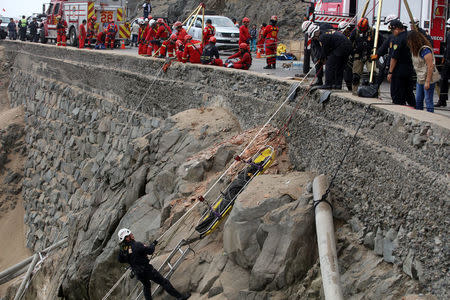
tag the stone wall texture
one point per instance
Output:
(82, 121)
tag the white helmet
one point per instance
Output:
(305, 26)
(123, 233)
(312, 30)
(146, 20)
(448, 22)
(342, 26)
(389, 19)
(152, 21)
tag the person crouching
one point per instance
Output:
(210, 55)
(245, 58)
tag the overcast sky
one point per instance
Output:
(17, 8)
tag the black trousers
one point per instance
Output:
(334, 70)
(156, 277)
(402, 88)
(23, 33)
(443, 84)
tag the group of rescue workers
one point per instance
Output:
(156, 38)
(401, 57)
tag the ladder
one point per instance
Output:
(172, 262)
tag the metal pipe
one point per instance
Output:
(27, 277)
(194, 19)
(375, 44)
(193, 12)
(203, 22)
(326, 242)
(365, 9)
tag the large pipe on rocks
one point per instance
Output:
(326, 242)
(27, 277)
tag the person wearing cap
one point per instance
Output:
(245, 58)
(244, 33)
(401, 70)
(415, 25)
(210, 55)
(136, 254)
(445, 72)
(208, 32)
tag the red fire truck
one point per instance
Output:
(74, 12)
(432, 14)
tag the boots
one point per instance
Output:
(319, 82)
(185, 296)
(268, 67)
(441, 103)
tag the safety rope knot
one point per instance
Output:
(201, 198)
(323, 199)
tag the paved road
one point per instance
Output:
(258, 65)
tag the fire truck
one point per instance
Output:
(432, 14)
(74, 12)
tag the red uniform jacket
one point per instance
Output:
(244, 35)
(151, 34)
(245, 59)
(192, 52)
(101, 37)
(271, 33)
(163, 32)
(141, 36)
(82, 31)
(261, 36)
(181, 34)
(208, 32)
(112, 30)
(61, 27)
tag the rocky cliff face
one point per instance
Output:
(290, 13)
(104, 153)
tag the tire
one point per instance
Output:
(73, 37)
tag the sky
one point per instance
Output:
(17, 8)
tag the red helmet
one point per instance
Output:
(94, 18)
(212, 39)
(179, 43)
(363, 24)
(274, 18)
(177, 24)
(160, 21)
(243, 46)
(246, 20)
(173, 37)
(187, 38)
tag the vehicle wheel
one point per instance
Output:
(73, 37)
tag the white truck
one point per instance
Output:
(74, 12)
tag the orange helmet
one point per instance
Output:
(246, 20)
(177, 24)
(363, 24)
(179, 43)
(274, 18)
(187, 38)
(160, 21)
(243, 46)
(212, 39)
(173, 37)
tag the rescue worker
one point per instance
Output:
(445, 73)
(3, 33)
(210, 55)
(91, 29)
(111, 34)
(244, 33)
(420, 29)
(147, 7)
(150, 38)
(180, 31)
(245, 58)
(192, 50)
(61, 31)
(271, 39)
(82, 37)
(168, 47)
(346, 29)
(401, 70)
(162, 34)
(179, 50)
(23, 28)
(34, 30)
(362, 39)
(136, 255)
(141, 37)
(208, 32)
(12, 29)
(261, 41)
(101, 37)
(335, 50)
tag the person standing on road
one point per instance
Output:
(147, 7)
(33, 30)
(12, 29)
(91, 30)
(401, 70)
(244, 34)
(208, 32)
(253, 37)
(136, 254)
(23, 28)
(445, 73)
(425, 67)
(261, 41)
(82, 37)
(245, 58)
(61, 31)
(271, 40)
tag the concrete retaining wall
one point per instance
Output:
(393, 187)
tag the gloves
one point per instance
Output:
(155, 242)
(374, 57)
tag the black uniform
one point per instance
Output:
(135, 254)
(33, 31)
(445, 74)
(209, 53)
(402, 83)
(316, 53)
(384, 51)
(336, 48)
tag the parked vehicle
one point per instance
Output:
(74, 12)
(227, 34)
